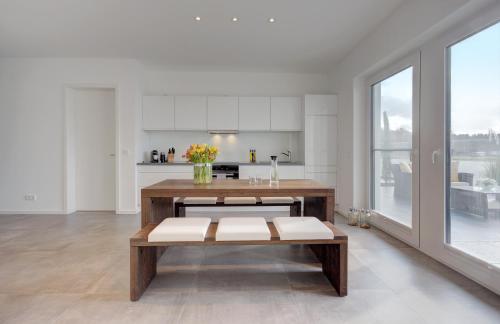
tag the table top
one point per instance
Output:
(230, 187)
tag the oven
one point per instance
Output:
(226, 171)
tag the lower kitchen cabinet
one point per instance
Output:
(284, 171)
(150, 174)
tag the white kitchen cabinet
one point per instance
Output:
(157, 112)
(326, 178)
(150, 174)
(190, 112)
(320, 138)
(254, 113)
(284, 171)
(286, 113)
(222, 113)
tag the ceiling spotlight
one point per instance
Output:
(235, 19)
(271, 20)
(197, 18)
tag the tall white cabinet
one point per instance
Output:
(320, 138)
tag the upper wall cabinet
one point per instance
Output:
(254, 113)
(222, 113)
(320, 104)
(190, 112)
(158, 112)
(286, 113)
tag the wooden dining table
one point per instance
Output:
(157, 201)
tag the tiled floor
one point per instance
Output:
(74, 269)
(475, 235)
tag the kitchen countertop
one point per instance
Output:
(216, 163)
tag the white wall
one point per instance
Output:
(157, 81)
(32, 145)
(32, 128)
(428, 27)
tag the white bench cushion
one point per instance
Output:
(302, 228)
(240, 200)
(180, 229)
(242, 229)
(277, 200)
(200, 200)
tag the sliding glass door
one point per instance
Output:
(394, 149)
(473, 146)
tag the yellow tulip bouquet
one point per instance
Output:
(202, 155)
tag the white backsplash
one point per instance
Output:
(233, 147)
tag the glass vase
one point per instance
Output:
(202, 173)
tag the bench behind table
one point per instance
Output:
(180, 206)
(143, 255)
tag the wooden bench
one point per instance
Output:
(180, 206)
(143, 255)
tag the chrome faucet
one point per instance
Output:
(288, 154)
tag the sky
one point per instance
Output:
(475, 87)
(475, 83)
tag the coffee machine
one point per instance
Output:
(155, 158)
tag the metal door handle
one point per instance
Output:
(435, 155)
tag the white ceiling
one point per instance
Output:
(308, 36)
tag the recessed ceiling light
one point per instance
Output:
(197, 18)
(271, 20)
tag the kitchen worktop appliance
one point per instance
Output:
(226, 171)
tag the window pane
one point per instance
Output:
(392, 182)
(392, 111)
(474, 147)
(392, 101)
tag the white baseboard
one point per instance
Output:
(128, 211)
(33, 212)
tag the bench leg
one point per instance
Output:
(142, 269)
(296, 209)
(333, 258)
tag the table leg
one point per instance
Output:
(296, 208)
(180, 211)
(321, 207)
(142, 269)
(156, 209)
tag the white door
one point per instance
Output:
(94, 111)
(394, 95)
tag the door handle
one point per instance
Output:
(435, 155)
